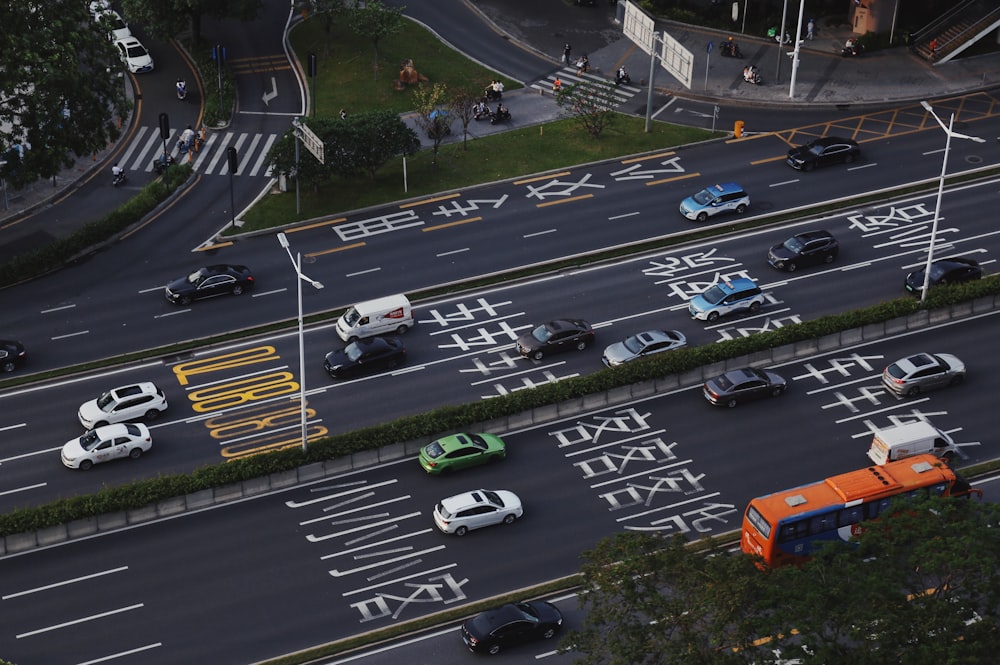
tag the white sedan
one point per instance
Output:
(107, 443)
(134, 55)
(116, 25)
(123, 404)
(461, 513)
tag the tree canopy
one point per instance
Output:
(61, 91)
(921, 586)
(164, 19)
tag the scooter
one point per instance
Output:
(499, 117)
(731, 50)
(181, 90)
(773, 34)
(626, 79)
(119, 178)
(856, 48)
(161, 163)
(752, 76)
(482, 114)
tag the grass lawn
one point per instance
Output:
(347, 79)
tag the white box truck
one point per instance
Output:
(902, 441)
(382, 316)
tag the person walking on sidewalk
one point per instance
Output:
(810, 27)
(566, 54)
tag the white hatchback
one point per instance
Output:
(123, 404)
(107, 443)
(473, 510)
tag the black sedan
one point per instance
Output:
(363, 356)
(945, 271)
(511, 624)
(804, 249)
(12, 355)
(209, 281)
(743, 384)
(823, 152)
(554, 336)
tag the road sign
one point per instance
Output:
(309, 139)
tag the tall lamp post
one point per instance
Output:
(937, 207)
(299, 278)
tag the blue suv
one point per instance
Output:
(727, 197)
(726, 297)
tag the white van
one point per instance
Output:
(392, 314)
(902, 441)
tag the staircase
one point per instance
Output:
(956, 30)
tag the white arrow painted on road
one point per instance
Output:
(268, 96)
(697, 113)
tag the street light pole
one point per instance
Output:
(940, 193)
(299, 278)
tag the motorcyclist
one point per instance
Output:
(117, 174)
(622, 76)
(186, 139)
(181, 89)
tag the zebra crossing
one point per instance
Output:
(568, 76)
(251, 150)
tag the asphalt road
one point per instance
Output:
(318, 562)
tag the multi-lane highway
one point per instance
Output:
(322, 561)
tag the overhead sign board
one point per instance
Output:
(639, 26)
(309, 139)
(677, 60)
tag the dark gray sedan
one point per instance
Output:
(740, 385)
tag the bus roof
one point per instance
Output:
(873, 482)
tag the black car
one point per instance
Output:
(511, 624)
(12, 355)
(209, 281)
(945, 271)
(363, 356)
(743, 384)
(804, 249)
(554, 336)
(823, 152)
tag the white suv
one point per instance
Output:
(473, 510)
(123, 404)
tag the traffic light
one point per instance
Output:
(738, 129)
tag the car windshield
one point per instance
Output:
(541, 333)
(493, 498)
(632, 344)
(714, 295)
(704, 197)
(938, 270)
(353, 351)
(476, 441)
(89, 440)
(895, 371)
(351, 316)
(434, 450)
(135, 51)
(816, 148)
(196, 275)
(529, 612)
(724, 382)
(106, 400)
(793, 245)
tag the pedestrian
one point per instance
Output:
(566, 54)
(810, 27)
(343, 114)
(933, 46)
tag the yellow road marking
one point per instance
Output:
(335, 249)
(426, 201)
(455, 223)
(674, 179)
(572, 198)
(542, 177)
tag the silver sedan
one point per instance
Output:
(910, 376)
(642, 345)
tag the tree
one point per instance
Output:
(325, 10)
(164, 19)
(433, 113)
(921, 587)
(61, 92)
(377, 137)
(375, 21)
(591, 103)
(463, 106)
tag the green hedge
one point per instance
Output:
(450, 418)
(65, 250)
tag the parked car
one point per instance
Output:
(823, 152)
(804, 249)
(115, 24)
(740, 385)
(945, 271)
(208, 282)
(461, 451)
(642, 345)
(510, 625)
(726, 297)
(12, 355)
(555, 336)
(107, 443)
(364, 356)
(464, 512)
(727, 197)
(134, 55)
(123, 404)
(914, 374)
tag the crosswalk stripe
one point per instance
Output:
(146, 146)
(271, 138)
(568, 76)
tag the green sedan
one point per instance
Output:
(460, 451)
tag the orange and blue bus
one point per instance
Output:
(786, 527)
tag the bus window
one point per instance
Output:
(822, 523)
(791, 531)
(849, 516)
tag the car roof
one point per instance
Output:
(915, 362)
(831, 140)
(814, 235)
(736, 284)
(741, 374)
(567, 324)
(725, 188)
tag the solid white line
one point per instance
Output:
(81, 620)
(69, 581)
(23, 489)
(362, 272)
(122, 653)
(9, 427)
(786, 182)
(454, 251)
(76, 334)
(539, 233)
(863, 166)
(57, 309)
(628, 214)
(173, 313)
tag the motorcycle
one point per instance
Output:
(751, 75)
(502, 116)
(119, 178)
(731, 50)
(852, 48)
(623, 78)
(181, 89)
(773, 34)
(482, 114)
(161, 163)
